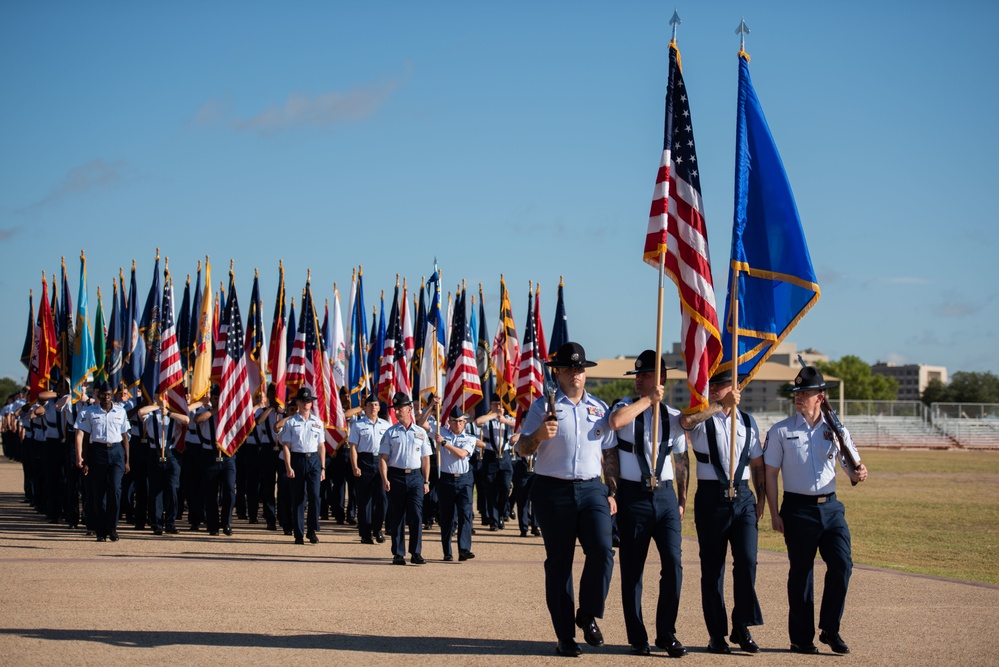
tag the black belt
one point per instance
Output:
(805, 499)
(456, 475)
(570, 481)
(106, 444)
(305, 454)
(366, 454)
(406, 471)
(640, 486)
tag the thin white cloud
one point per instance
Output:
(94, 175)
(303, 110)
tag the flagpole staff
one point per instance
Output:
(437, 376)
(742, 31)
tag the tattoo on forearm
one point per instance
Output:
(760, 481)
(612, 469)
(681, 464)
(528, 445)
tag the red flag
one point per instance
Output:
(677, 231)
(277, 353)
(46, 347)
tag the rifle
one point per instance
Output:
(839, 432)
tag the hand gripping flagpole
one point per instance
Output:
(742, 31)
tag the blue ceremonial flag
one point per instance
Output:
(375, 345)
(84, 361)
(114, 344)
(770, 265)
(135, 346)
(184, 327)
(150, 330)
(29, 336)
(357, 373)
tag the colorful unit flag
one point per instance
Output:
(83, 351)
(678, 237)
(201, 381)
(771, 269)
(256, 350)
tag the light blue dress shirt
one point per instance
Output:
(805, 455)
(576, 451)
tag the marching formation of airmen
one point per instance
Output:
(575, 471)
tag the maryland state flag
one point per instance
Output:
(771, 269)
(506, 353)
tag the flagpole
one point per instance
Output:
(742, 31)
(735, 380)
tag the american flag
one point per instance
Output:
(506, 353)
(219, 334)
(297, 359)
(461, 385)
(530, 376)
(256, 350)
(676, 229)
(235, 408)
(393, 335)
(277, 354)
(171, 374)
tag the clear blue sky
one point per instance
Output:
(519, 138)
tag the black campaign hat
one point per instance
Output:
(808, 379)
(401, 399)
(570, 355)
(305, 395)
(646, 363)
(722, 376)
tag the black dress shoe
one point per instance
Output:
(288, 531)
(213, 533)
(398, 560)
(493, 528)
(227, 530)
(465, 555)
(417, 559)
(740, 635)
(254, 520)
(640, 649)
(367, 540)
(351, 522)
(113, 536)
(536, 532)
(834, 641)
(157, 531)
(448, 558)
(568, 649)
(271, 526)
(299, 540)
(672, 646)
(101, 538)
(171, 530)
(718, 645)
(380, 537)
(313, 538)
(591, 631)
(523, 533)
(807, 649)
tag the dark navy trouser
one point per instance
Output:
(643, 516)
(405, 509)
(455, 497)
(810, 525)
(105, 468)
(370, 496)
(567, 510)
(164, 481)
(721, 523)
(523, 480)
(305, 488)
(218, 490)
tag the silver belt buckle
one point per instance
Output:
(822, 499)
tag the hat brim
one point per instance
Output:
(814, 387)
(667, 368)
(583, 364)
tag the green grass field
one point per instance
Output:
(931, 512)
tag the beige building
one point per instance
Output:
(912, 378)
